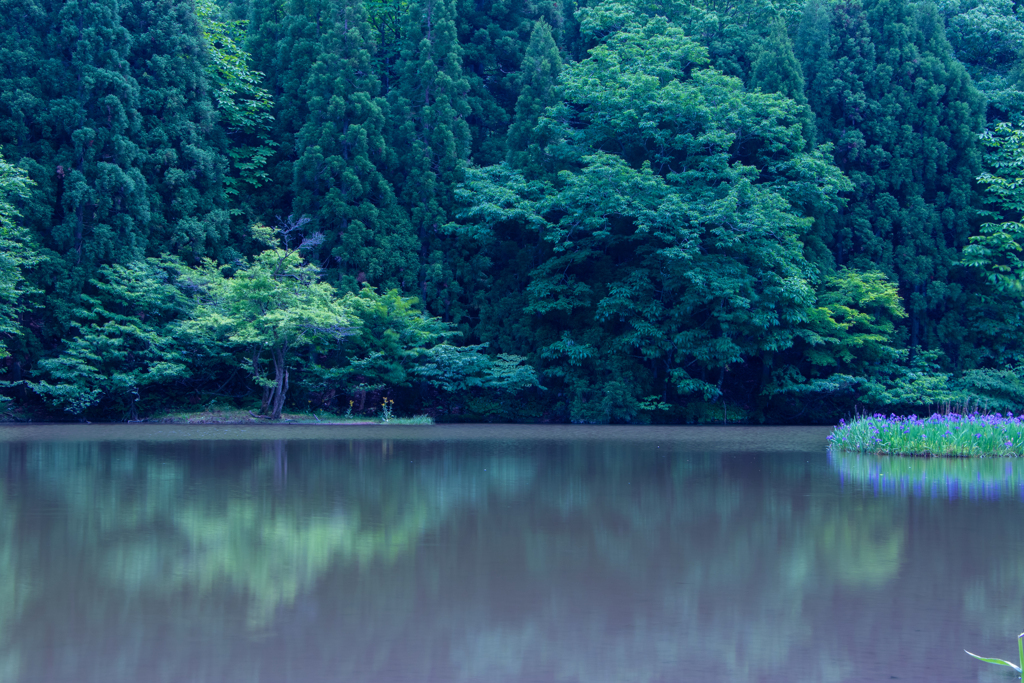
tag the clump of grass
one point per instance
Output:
(950, 434)
(414, 420)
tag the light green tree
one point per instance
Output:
(273, 306)
(997, 248)
(397, 345)
(127, 340)
(244, 104)
(15, 252)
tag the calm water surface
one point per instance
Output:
(497, 554)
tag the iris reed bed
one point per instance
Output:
(949, 435)
(970, 478)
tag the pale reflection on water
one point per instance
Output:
(493, 554)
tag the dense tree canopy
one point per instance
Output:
(586, 210)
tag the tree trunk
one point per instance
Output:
(282, 391)
(274, 396)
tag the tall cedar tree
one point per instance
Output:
(113, 129)
(492, 35)
(285, 42)
(499, 296)
(431, 140)
(538, 82)
(184, 171)
(70, 117)
(505, 255)
(904, 118)
(336, 180)
(776, 69)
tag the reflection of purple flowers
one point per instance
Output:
(951, 434)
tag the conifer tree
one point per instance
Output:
(285, 43)
(431, 140)
(904, 118)
(493, 36)
(538, 80)
(70, 117)
(183, 156)
(337, 181)
(776, 68)
(496, 296)
(108, 111)
(728, 30)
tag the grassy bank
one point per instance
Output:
(951, 435)
(236, 416)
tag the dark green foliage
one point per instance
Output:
(997, 248)
(392, 338)
(113, 129)
(16, 252)
(395, 346)
(987, 37)
(337, 181)
(493, 36)
(676, 211)
(538, 80)
(244, 106)
(431, 140)
(285, 42)
(387, 18)
(70, 109)
(904, 118)
(677, 256)
(776, 69)
(184, 173)
(732, 32)
(126, 342)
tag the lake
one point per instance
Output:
(222, 554)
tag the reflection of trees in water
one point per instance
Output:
(692, 568)
(15, 588)
(260, 528)
(862, 546)
(994, 601)
(943, 477)
(993, 595)
(473, 561)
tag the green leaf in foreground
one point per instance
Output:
(993, 660)
(1002, 662)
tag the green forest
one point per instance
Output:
(587, 211)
